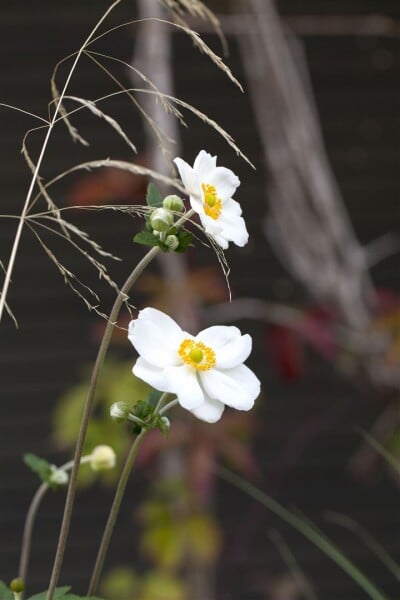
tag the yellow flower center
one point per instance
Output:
(212, 204)
(197, 355)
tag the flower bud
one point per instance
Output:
(172, 242)
(173, 203)
(161, 219)
(164, 424)
(119, 412)
(17, 585)
(58, 476)
(102, 458)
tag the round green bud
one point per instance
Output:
(164, 424)
(161, 219)
(172, 242)
(17, 585)
(102, 458)
(119, 412)
(173, 203)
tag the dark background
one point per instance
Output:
(356, 82)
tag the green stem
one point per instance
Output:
(30, 522)
(160, 403)
(69, 502)
(169, 405)
(112, 517)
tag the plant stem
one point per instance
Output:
(30, 521)
(169, 405)
(160, 403)
(69, 502)
(119, 493)
(28, 528)
(86, 415)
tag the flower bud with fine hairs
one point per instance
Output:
(102, 458)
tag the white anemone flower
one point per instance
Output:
(211, 189)
(206, 372)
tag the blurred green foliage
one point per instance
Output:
(116, 383)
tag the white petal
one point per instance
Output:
(183, 382)
(234, 353)
(156, 337)
(233, 229)
(237, 387)
(196, 202)
(188, 176)
(225, 182)
(245, 377)
(203, 164)
(232, 207)
(210, 411)
(221, 241)
(211, 226)
(218, 336)
(150, 374)
(162, 320)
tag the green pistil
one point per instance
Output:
(196, 355)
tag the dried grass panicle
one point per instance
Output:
(53, 219)
(195, 8)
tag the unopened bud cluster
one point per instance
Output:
(162, 219)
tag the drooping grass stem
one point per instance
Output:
(35, 175)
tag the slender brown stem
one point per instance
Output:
(30, 521)
(69, 502)
(28, 529)
(112, 517)
(86, 415)
(117, 502)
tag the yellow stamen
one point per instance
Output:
(212, 204)
(197, 355)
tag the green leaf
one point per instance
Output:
(153, 397)
(38, 465)
(146, 238)
(185, 240)
(62, 593)
(5, 592)
(153, 196)
(59, 594)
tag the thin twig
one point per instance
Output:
(69, 503)
(112, 517)
(30, 521)
(121, 298)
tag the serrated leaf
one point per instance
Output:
(38, 465)
(185, 240)
(5, 592)
(153, 196)
(146, 239)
